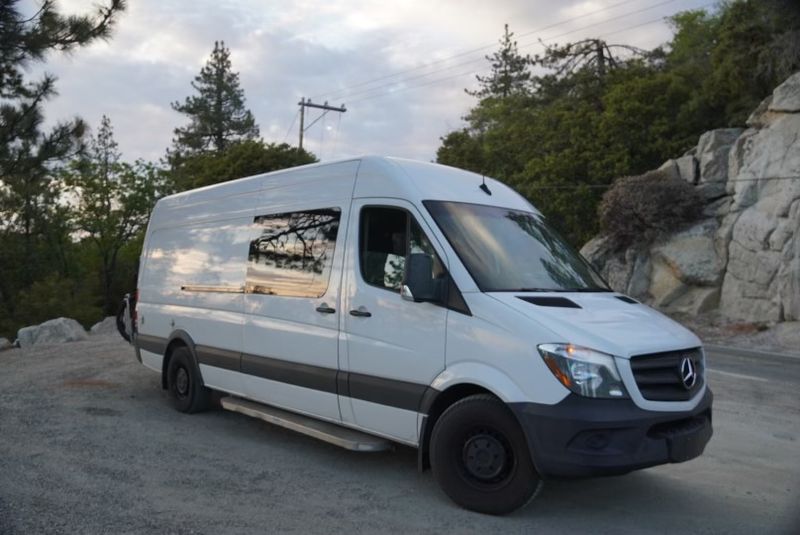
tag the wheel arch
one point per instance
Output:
(178, 339)
(455, 383)
(434, 403)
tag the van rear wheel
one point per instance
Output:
(185, 385)
(480, 458)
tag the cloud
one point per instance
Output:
(287, 50)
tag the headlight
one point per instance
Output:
(585, 371)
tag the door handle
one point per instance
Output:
(360, 312)
(325, 309)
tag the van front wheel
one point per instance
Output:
(480, 458)
(185, 386)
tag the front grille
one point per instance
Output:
(658, 375)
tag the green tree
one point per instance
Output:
(241, 159)
(113, 202)
(34, 235)
(217, 114)
(596, 111)
(510, 71)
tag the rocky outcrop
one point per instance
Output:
(743, 257)
(51, 332)
(107, 326)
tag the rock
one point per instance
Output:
(684, 168)
(670, 169)
(687, 168)
(743, 257)
(786, 97)
(772, 154)
(756, 119)
(107, 326)
(718, 208)
(596, 251)
(736, 156)
(5, 344)
(695, 301)
(690, 255)
(625, 271)
(665, 287)
(51, 332)
(712, 156)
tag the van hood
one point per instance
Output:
(604, 321)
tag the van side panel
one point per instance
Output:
(192, 276)
(497, 350)
(290, 348)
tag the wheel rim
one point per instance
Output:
(487, 458)
(182, 382)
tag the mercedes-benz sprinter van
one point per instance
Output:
(378, 300)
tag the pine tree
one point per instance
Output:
(113, 202)
(510, 74)
(217, 114)
(33, 223)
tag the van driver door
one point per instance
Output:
(394, 348)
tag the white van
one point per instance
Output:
(376, 300)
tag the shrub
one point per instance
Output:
(640, 209)
(53, 297)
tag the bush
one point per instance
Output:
(53, 297)
(640, 209)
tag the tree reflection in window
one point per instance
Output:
(294, 253)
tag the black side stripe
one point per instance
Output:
(154, 344)
(391, 392)
(219, 358)
(293, 373)
(400, 394)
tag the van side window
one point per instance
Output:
(293, 254)
(387, 236)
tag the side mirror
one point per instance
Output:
(418, 283)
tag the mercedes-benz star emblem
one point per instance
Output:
(688, 373)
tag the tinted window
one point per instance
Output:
(293, 254)
(512, 250)
(387, 236)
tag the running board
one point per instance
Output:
(343, 437)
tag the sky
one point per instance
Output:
(400, 67)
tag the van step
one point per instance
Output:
(349, 439)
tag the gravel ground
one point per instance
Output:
(712, 328)
(89, 444)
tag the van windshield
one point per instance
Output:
(510, 250)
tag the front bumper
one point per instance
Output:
(581, 437)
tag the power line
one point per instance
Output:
(523, 46)
(289, 130)
(471, 71)
(342, 94)
(606, 186)
(466, 52)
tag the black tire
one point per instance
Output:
(480, 458)
(185, 385)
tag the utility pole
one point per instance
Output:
(308, 104)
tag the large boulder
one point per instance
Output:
(691, 256)
(786, 97)
(713, 149)
(107, 326)
(743, 257)
(52, 332)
